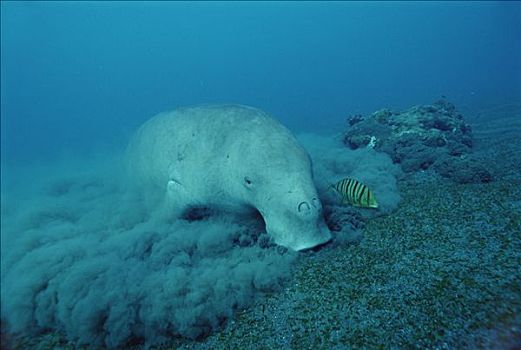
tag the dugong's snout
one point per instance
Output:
(315, 236)
(300, 227)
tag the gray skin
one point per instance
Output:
(234, 158)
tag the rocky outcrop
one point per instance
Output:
(423, 137)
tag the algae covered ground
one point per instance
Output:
(442, 272)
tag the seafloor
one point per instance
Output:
(441, 272)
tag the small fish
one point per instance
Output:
(355, 193)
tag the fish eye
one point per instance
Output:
(247, 181)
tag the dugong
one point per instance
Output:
(234, 158)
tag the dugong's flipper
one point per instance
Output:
(175, 203)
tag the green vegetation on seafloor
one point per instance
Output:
(442, 271)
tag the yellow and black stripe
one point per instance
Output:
(356, 193)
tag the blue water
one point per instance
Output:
(75, 76)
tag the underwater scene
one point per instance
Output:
(260, 175)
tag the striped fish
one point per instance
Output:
(356, 193)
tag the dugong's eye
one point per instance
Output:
(247, 182)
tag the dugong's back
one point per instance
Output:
(202, 132)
